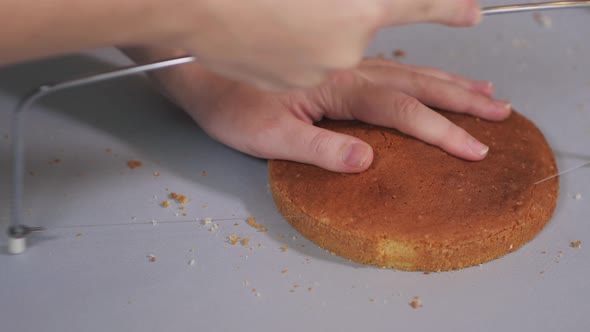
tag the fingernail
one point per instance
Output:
(503, 104)
(474, 15)
(356, 154)
(477, 147)
(485, 87)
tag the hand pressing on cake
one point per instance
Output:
(377, 91)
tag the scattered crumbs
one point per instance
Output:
(181, 207)
(133, 164)
(426, 272)
(207, 221)
(252, 222)
(309, 289)
(283, 248)
(176, 214)
(80, 234)
(245, 283)
(543, 252)
(578, 197)
(184, 214)
(179, 198)
(282, 236)
(191, 262)
(372, 300)
(576, 244)
(203, 173)
(285, 271)
(151, 258)
(416, 302)
(55, 161)
(560, 253)
(154, 222)
(543, 20)
(236, 224)
(245, 241)
(165, 204)
(296, 286)
(233, 239)
(541, 272)
(134, 218)
(294, 237)
(258, 294)
(259, 245)
(192, 250)
(156, 173)
(399, 53)
(253, 290)
(108, 150)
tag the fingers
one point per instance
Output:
(448, 12)
(394, 109)
(484, 87)
(440, 93)
(305, 143)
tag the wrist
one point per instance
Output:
(189, 86)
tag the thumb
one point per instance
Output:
(306, 143)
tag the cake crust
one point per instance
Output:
(419, 208)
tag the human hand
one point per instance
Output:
(279, 45)
(380, 92)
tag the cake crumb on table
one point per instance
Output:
(283, 248)
(203, 173)
(191, 262)
(133, 164)
(285, 271)
(233, 239)
(399, 53)
(78, 234)
(543, 20)
(165, 204)
(245, 241)
(151, 258)
(416, 302)
(252, 222)
(156, 173)
(576, 244)
(179, 198)
(578, 197)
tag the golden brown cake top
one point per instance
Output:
(414, 191)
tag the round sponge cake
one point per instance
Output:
(419, 208)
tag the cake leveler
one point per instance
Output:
(18, 232)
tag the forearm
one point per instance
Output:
(37, 29)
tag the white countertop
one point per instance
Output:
(100, 278)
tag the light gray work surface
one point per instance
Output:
(100, 279)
